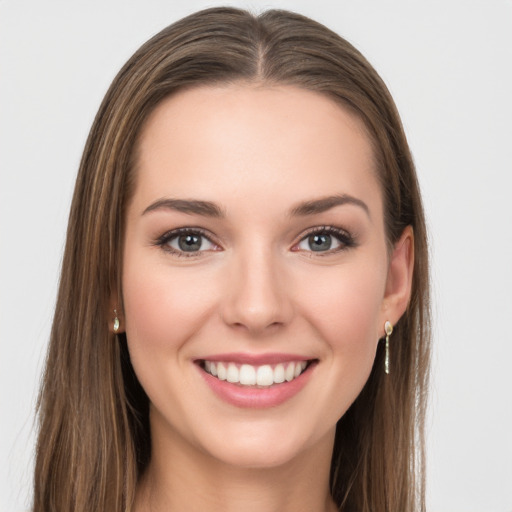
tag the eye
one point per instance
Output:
(186, 242)
(325, 239)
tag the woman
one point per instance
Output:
(246, 226)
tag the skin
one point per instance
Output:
(255, 287)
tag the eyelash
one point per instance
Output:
(346, 240)
(163, 241)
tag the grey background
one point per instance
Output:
(448, 66)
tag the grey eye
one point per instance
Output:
(190, 242)
(319, 242)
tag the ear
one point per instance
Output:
(399, 278)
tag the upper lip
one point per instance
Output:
(255, 359)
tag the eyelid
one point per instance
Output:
(346, 239)
(163, 241)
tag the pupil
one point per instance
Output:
(189, 242)
(320, 242)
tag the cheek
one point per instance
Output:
(163, 306)
(344, 307)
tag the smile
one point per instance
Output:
(255, 376)
(256, 380)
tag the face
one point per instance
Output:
(255, 270)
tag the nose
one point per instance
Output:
(257, 297)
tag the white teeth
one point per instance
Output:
(249, 375)
(279, 374)
(221, 371)
(232, 374)
(289, 372)
(265, 376)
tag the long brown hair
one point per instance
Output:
(94, 439)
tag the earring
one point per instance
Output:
(388, 327)
(116, 321)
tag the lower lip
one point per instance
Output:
(257, 398)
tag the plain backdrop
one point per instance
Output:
(448, 66)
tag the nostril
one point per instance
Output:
(256, 327)
(255, 299)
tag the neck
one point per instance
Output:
(182, 477)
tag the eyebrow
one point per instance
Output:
(210, 209)
(191, 206)
(326, 203)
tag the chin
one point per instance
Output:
(257, 447)
(257, 457)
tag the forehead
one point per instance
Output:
(270, 143)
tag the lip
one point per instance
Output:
(253, 397)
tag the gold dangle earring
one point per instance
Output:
(388, 327)
(116, 322)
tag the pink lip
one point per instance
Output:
(257, 398)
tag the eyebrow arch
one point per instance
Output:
(326, 203)
(191, 206)
(210, 209)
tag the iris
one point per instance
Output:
(320, 242)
